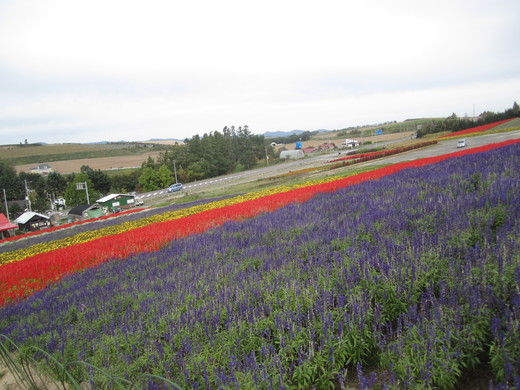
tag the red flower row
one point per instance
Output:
(384, 153)
(476, 129)
(21, 278)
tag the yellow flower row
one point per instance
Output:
(20, 254)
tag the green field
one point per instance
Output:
(35, 153)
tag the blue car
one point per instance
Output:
(175, 187)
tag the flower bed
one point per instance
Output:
(384, 153)
(477, 129)
(67, 225)
(29, 269)
(410, 280)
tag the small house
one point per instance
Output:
(31, 221)
(6, 228)
(309, 150)
(42, 169)
(85, 211)
(117, 201)
(327, 146)
(350, 143)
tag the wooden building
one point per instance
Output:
(31, 221)
(114, 202)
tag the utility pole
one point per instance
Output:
(83, 186)
(27, 192)
(6, 208)
(175, 170)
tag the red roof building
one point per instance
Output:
(6, 227)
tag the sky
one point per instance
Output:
(110, 70)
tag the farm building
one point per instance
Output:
(327, 146)
(31, 221)
(6, 227)
(292, 154)
(350, 143)
(86, 211)
(42, 169)
(117, 201)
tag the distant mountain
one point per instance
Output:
(106, 142)
(273, 134)
(276, 134)
(130, 142)
(164, 139)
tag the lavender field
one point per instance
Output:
(408, 282)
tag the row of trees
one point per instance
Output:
(216, 153)
(305, 136)
(213, 154)
(40, 193)
(454, 123)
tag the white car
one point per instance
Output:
(461, 143)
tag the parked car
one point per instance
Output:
(175, 187)
(461, 143)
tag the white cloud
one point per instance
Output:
(172, 68)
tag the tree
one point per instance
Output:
(149, 163)
(100, 179)
(514, 111)
(36, 190)
(55, 184)
(11, 182)
(149, 180)
(125, 182)
(75, 197)
(164, 176)
(198, 170)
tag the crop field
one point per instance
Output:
(101, 163)
(62, 157)
(16, 151)
(405, 277)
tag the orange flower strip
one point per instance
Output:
(20, 278)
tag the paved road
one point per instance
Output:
(449, 146)
(442, 147)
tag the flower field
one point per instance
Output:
(477, 129)
(384, 153)
(67, 225)
(403, 277)
(31, 268)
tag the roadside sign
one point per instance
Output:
(379, 132)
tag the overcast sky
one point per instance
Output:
(86, 71)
